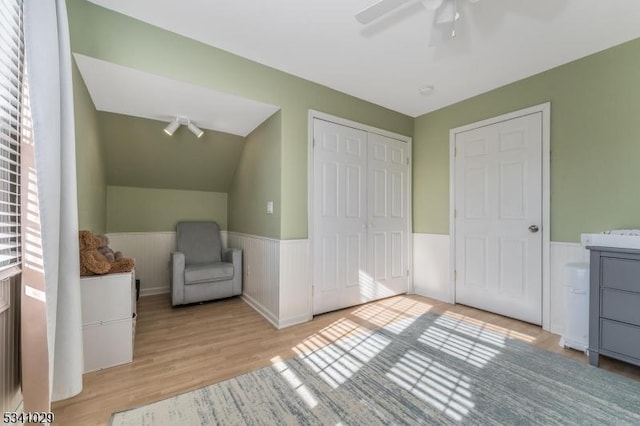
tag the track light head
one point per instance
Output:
(171, 127)
(195, 129)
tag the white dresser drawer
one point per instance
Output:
(107, 345)
(106, 298)
(108, 317)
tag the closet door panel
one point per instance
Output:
(387, 221)
(360, 242)
(339, 243)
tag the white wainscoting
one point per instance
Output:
(431, 266)
(261, 269)
(295, 288)
(431, 272)
(276, 277)
(275, 272)
(151, 250)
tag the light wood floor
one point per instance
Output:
(182, 349)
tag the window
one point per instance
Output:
(12, 116)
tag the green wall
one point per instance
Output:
(595, 143)
(256, 181)
(90, 160)
(141, 154)
(157, 210)
(106, 35)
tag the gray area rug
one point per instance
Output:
(426, 370)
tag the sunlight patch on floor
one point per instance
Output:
(337, 352)
(491, 327)
(457, 346)
(307, 396)
(442, 388)
(478, 333)
(393, 315)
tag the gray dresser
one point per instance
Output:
(614, 304)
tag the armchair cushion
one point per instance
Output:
(199, 241)
(207, 272)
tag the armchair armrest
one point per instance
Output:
(234, 256)
(177, 264)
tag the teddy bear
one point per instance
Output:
(92, 262)
(117, 261)
(106, 250)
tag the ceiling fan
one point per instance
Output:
(444, 17)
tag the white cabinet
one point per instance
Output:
(108, 319)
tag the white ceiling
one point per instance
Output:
(387, 61)
(114, 88)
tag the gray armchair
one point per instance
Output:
(201, 269)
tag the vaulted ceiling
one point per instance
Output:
(387, 61)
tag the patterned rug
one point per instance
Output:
(429, 369)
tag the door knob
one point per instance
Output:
(533, 228)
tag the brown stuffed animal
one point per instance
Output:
(106, 250)
(92, 262)
(124, 264)
(117, 261)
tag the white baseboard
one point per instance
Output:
(152, 291)
(288, 322)
(269, 316)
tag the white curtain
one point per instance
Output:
(50, 89)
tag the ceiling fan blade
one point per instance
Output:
(444, 23)
(378, 10)
(432, 4)
(447, 13)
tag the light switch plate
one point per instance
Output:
(269, 207)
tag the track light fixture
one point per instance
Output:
(173, 126)
(195, 129)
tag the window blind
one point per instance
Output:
(12, 71)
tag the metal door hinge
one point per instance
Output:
(407, 161)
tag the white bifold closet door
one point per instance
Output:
(360, 247)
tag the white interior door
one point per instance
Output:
(360, 247)
(498, 218)
(339, 243)
(387, 218)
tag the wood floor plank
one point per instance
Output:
(181, 349)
